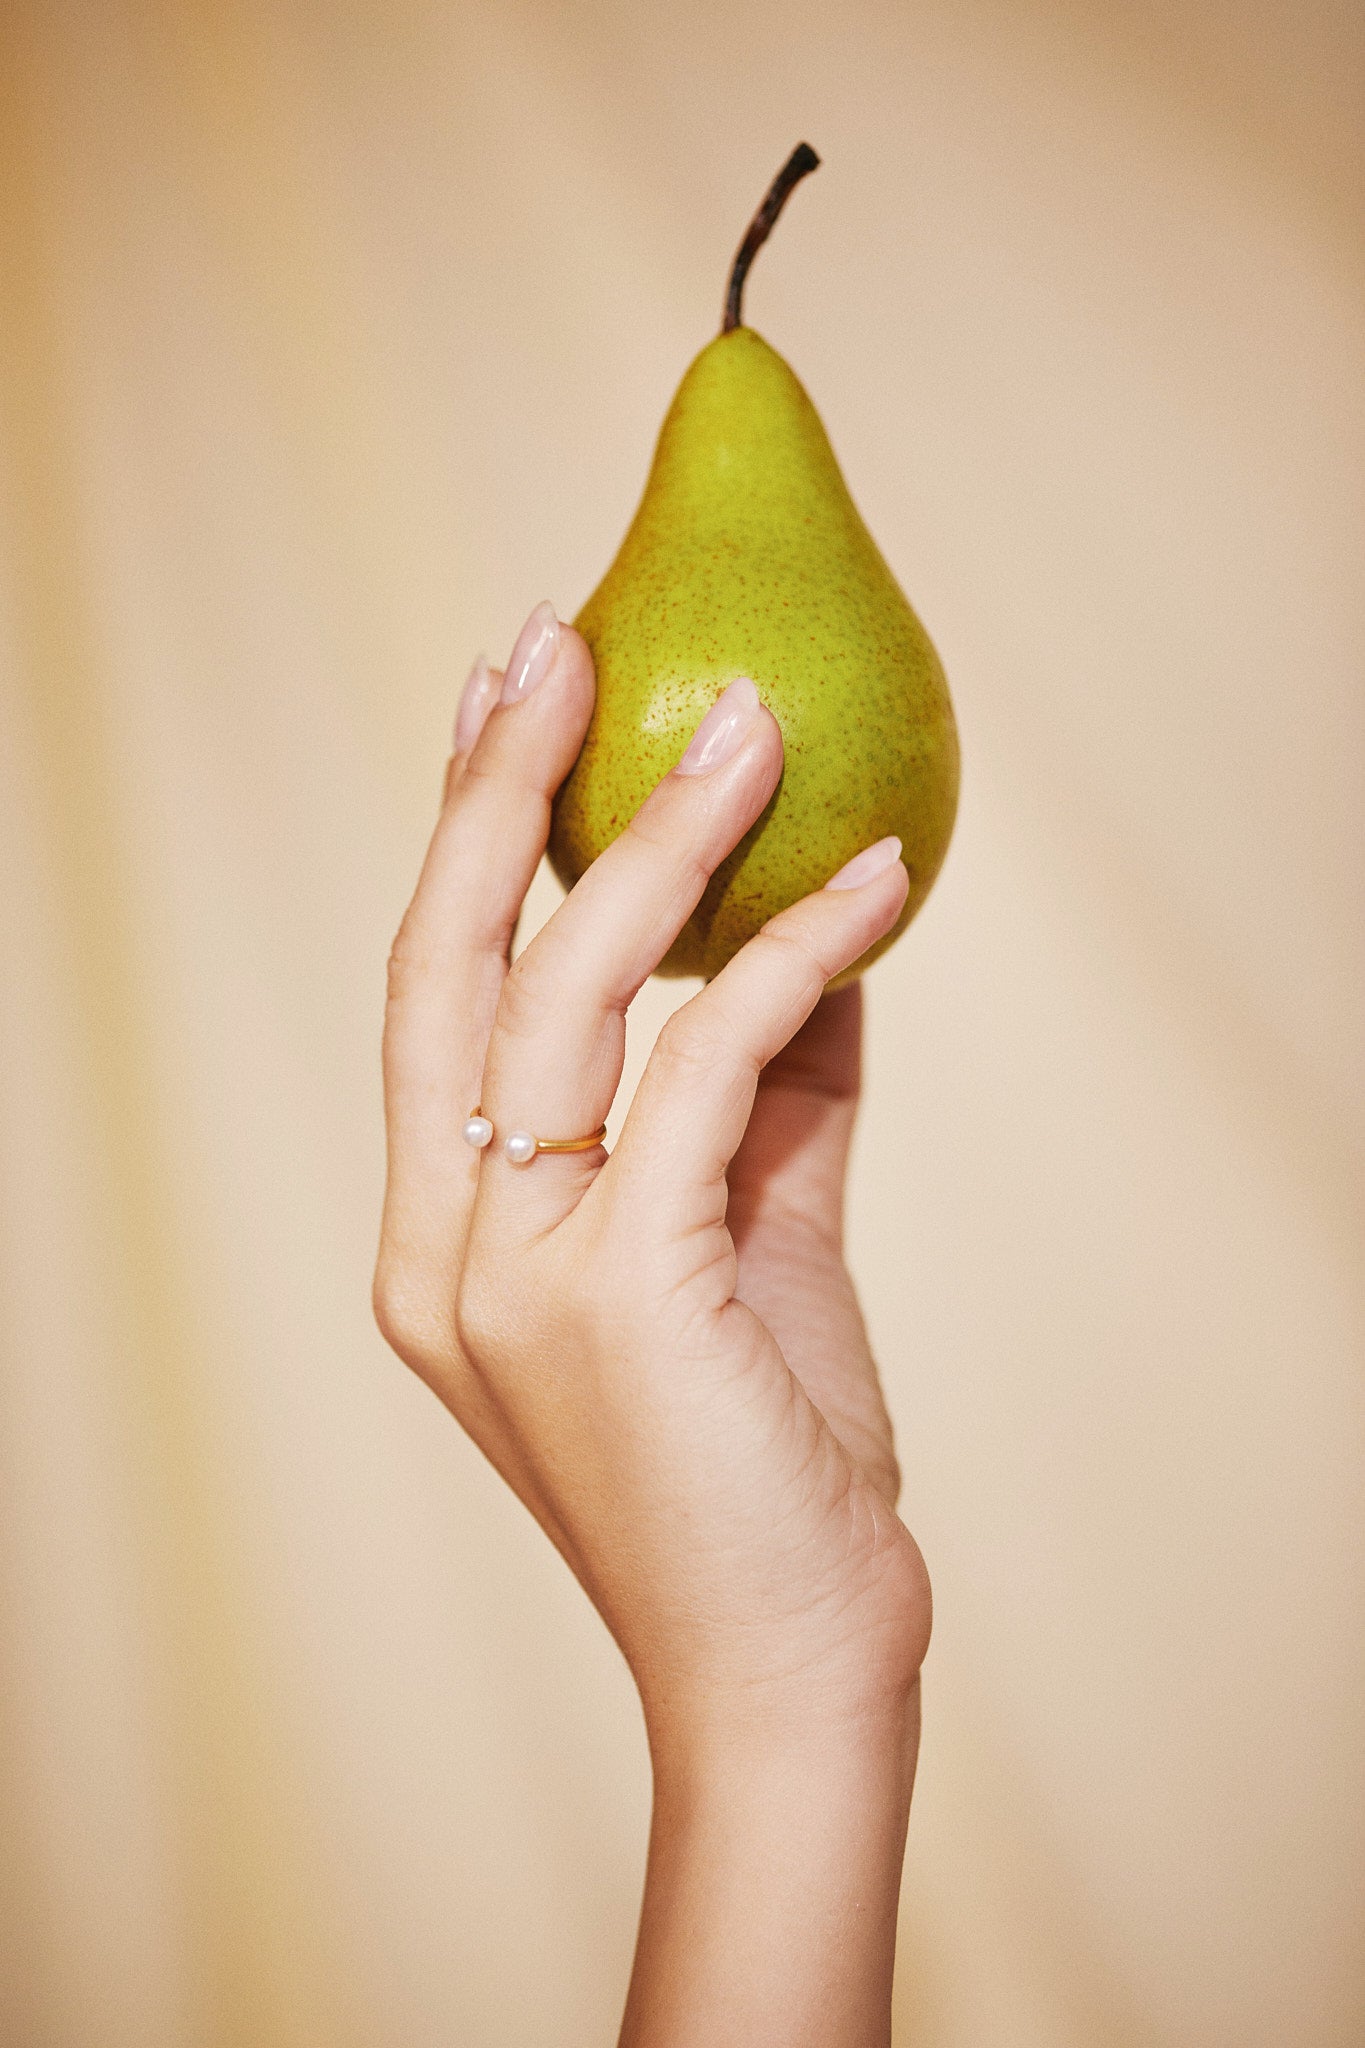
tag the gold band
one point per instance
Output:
(572, 1144)
(522, 1146)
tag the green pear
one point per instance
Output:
(747, 557)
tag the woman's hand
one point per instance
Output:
(661, 1350)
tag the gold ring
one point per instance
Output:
(521, 1147)
(566, 1144)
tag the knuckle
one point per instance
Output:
(500, 772)
(521, 1002)
(913, 1595)
(409, 960)
(507, 1309)
(410, 1322)
(487, 775)
(670, 850)
(797, 950)
(664, 846)
(645, 829)
(687, 1044)
(480, 1316)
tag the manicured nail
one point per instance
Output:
(720, 732)
(476, 699)
(529, 662)
(863, 866)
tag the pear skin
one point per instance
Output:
(747, 557)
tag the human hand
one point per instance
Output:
(660, 1350)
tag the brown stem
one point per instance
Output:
(801, 161)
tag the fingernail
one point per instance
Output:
(475, 701)
(529, 663)
(722, 729)
(863, 866)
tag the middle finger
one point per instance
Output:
(556, 1052)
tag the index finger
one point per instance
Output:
(449, 959)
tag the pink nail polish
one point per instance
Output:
(529, 662)
(865, 866)
(720, 732)
(476, 700)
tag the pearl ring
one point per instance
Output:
(521, 1147)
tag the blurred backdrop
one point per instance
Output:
(334, 337)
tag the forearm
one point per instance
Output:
(769, 1915)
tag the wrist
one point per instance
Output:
(729, 1744)
(774, 1875)
(859, 1697)
(767, 1753)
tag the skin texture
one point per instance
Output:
(747, 556)
(661, 1351)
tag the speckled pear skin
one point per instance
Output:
(747, 556)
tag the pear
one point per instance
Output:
(747, 557)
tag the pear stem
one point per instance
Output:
(801, 161)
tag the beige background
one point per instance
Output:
(334, 337)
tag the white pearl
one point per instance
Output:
(520, 1147)
(478, 1132)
